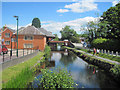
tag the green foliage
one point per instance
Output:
(58, 78)
(69, 34)
(36, 22)
(116, 71)
(20, 81)
(110, 22)
(56, 38)
(108, 44)
(47, 52)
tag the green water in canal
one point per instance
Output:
(85, 75)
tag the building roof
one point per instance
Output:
(1, 30)
(29, 30)
(47, 33)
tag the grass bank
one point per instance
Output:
(21, 73)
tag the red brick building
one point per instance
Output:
(28, 37)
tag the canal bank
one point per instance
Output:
(112, 67)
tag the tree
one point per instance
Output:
(92, 30)
(69, 34)
(111, 22)
(36, 22)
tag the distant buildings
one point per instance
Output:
(28, 37)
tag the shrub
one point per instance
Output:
(116, 71)
(47, 52)
(108, 44)
(59, 78)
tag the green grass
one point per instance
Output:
(21, 80)
(13, 71)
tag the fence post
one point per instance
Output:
(116, 53)
(23, 52)
(3, 56)
(27, 51)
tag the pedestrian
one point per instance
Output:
(98, 51)
(94, 51)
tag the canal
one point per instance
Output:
(84, 74)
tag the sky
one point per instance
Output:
(53, 15)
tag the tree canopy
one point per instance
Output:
(36, 22)
(110, 22)
(70, 34)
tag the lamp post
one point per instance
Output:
(17, 35)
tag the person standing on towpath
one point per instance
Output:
(94, 51)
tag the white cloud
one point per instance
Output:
(76, 24)
(115, 2)
(56, 27)
(79, 6)
(62, 10)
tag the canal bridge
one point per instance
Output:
(62, 43)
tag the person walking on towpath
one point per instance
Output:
(94, 51)
(98, 51)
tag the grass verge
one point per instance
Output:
(20, 72)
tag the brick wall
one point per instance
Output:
(6, 38)
(38, 42)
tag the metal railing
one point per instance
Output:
(13, 54)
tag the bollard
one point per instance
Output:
(105, 51)
(102, 51)
(108, 52)
(116, 53)
(112, 52)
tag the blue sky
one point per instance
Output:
(53, 15)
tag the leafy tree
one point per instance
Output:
(69, 34)
(110, 21)
(36, 22)
(92, 30)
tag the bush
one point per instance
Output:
(59, 78)
(108, 44)
(116, 71)
(47, 52)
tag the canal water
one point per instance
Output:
(84, 74)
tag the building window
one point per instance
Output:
(7, 35)
(13, 40)
(28, 45)
(7, 42)
(28, 37)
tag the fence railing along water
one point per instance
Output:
(13, 54)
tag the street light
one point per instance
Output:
(17, 34)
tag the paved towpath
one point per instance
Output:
(115, 62)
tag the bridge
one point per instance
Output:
(64, 43)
